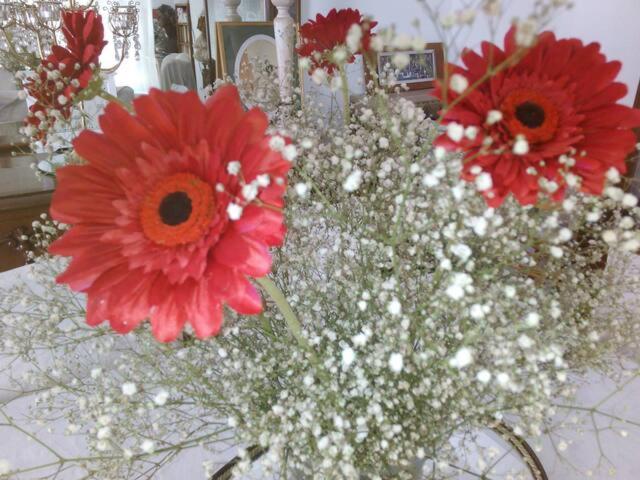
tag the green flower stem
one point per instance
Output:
(291, 320)
(111, 98)
(346, 107)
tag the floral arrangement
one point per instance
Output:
(64, 75)
(433, 278)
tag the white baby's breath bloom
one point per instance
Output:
(319, 76)
(521, 146)
(304, 63)
(462, 251)
(632, 245)
(532, 319)
(524, 341)
(614, 193)
(526, 32)
(455, 131)
(161, 398)
(402, 41)
(629, 200)
(462, 358)
(484, 182)
(610, 236)
(129, 389)
(301, 189)
(340, 55)
(377, 43)
(353, 181)
(348, 357)
(400, 60)
(383, 142)
(613, 175)
(234, 211)
(483, 376)
(233, 167)
(354, 36)
(458, 83)
(249, 191)
(396, 362)
(148, 446)
(336, 84)
(556, 251)
(448, 20)
(290, 152)
(394, 307)
(476, 311)
(503, 379)
(494, 116)
(459, 281)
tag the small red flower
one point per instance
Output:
(175, 209)
(321, 36)
(552, 114)
(66, 71)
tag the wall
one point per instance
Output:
(612, 23)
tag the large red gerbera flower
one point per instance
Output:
(176, 207)
(545, 122)
(66, 71)
(320, 37)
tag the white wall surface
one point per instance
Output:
(612, 23)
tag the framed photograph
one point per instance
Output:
(295, 11)
(424, 68)
(239, 42)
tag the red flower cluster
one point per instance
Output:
(66, 71)
(320, 37)
(549, 121)
(175, 209)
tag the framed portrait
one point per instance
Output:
(295, 11)
(424, 68)
(239, 42)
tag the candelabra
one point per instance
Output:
(123, 20)
(29, 29)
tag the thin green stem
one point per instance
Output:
(346, 106)
(291, 320)
(112, 98)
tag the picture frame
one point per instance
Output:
(295, 12)
(232, 40)
(426, 67)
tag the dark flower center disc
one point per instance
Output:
(175, 208)
(530, 114)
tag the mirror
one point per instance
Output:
(173, 47)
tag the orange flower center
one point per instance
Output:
(531, 114)
(177, 210)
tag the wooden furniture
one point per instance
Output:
(183, 27)
(23, 197)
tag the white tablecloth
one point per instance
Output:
(583, 450)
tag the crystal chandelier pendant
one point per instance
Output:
(123, 20)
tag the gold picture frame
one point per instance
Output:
(230, 36)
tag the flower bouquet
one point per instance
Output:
(430, 278)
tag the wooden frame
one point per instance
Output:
(223, 48)
(272, 11)
(438, 56)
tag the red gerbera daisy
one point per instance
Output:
(66, 71)
(176, 207)
(320, 37)
(545, 122)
